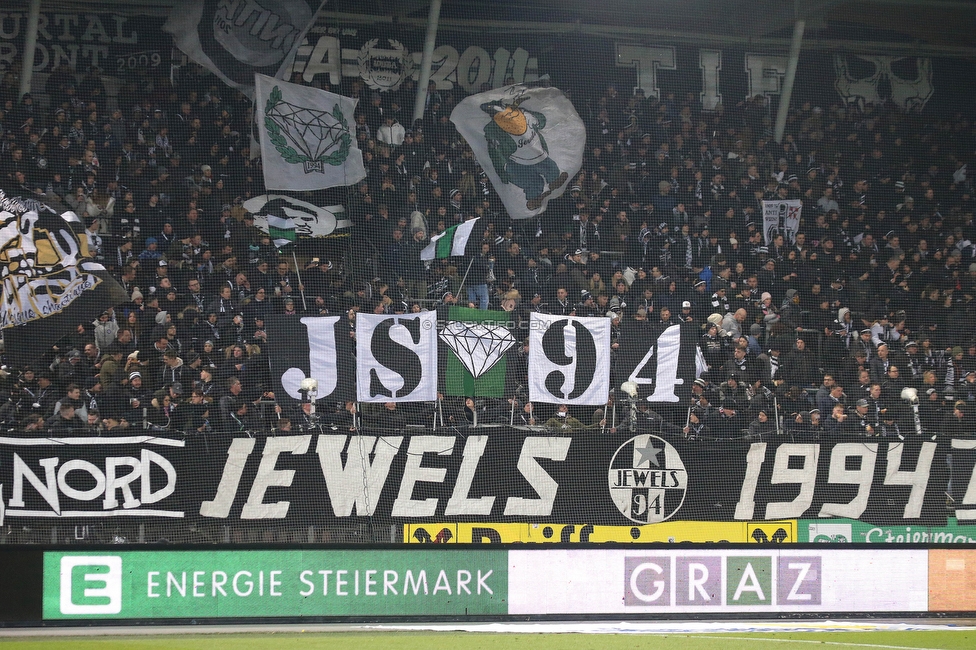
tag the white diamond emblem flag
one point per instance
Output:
(478, 347)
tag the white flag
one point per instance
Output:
(235, 40)
(530, 142)
(308, 136)
(569, 359)
(781, 218)
(396, 357)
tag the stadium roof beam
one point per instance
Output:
(30, 46)
(894, 27)
(788, 79)
(913, 48)
(426, 59)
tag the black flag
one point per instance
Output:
(663, 368)
(316, 347)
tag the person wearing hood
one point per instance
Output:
(111, 368)
(789, 311)
(754, 340)
(106, 329)
(844, 325)
(162, 319)
(835, 342)
(769, 314)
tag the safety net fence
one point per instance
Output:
(627, 272)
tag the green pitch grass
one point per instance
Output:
(943, 640)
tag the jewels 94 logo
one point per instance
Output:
(647, 479)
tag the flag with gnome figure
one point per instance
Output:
(530, 142)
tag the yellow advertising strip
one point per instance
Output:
(699, 532)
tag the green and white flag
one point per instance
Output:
(308, 136)
(474, 351)
(529, 141)
(453, 242)
(282, 231)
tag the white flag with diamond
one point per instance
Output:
(474, 352)
(478, 347)
(308, 136)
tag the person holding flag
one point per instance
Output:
(464, 240)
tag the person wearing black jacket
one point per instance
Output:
(135, 397)
(807, 424)
(801, 367)
(65, 421)
(476, 282)
(836, 425)
(957, 423)
(863, 422)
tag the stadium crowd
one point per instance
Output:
(663, 225)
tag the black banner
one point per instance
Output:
(117, 44)
(319, 348)
(384, 59)
(492, 475)
(662, 367)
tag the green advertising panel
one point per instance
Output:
(217, 584)
(846, 531)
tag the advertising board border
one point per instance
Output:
(21, 555)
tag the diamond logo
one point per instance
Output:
(305, 134)
(478, 347)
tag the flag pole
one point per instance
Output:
(468, 270)
(511, 415)
(301, 287)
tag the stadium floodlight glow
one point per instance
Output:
(629, 388)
